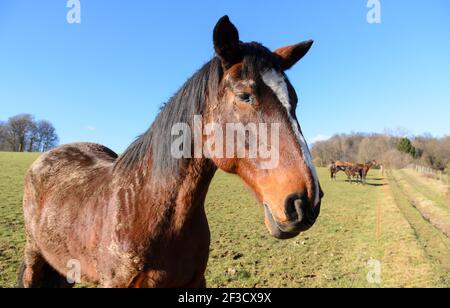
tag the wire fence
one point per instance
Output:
(432, 173)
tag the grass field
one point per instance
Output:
(413, 247)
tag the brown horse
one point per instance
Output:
(352, 170)
(336, 167)
(363, 169)
(139, 220)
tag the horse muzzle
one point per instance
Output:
(301, 216)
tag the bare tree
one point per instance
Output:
(33, 138)
(357, 147)
(47, 137)
(21, 133)
(18, 128)
(4, 145)
(435, 153)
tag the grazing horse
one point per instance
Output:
(139, 220)
(358, 171)
(353, 172)
(337, 166)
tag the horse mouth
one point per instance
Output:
(284, 231)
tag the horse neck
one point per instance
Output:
(368, 166)
(189, 192)
(167, 203)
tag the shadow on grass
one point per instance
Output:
(377, 184)
(367, 183)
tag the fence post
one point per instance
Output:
(435, 174)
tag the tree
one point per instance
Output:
(405, 146)
(394, 151)
(47, 137)
(18, 129)
(435, 152)
(4, 145)
(32, 138)
(22, 133)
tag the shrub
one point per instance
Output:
(318, 162)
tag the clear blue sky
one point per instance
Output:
(104, 80)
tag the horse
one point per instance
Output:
(353, 172)
(337, 166)
(138, 220)
(363, 169)
(332, 168)
(359, 171)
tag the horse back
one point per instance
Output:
(74, 165)
(65, 201)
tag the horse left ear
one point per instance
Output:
(290, 55)
(226, 42)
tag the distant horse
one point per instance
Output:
(336, 167)
(139, 220)
(333, 171)
(352, 170)
(352, 173)
(363, 169)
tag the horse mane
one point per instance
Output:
(189, 101)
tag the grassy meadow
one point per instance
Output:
(412, 245)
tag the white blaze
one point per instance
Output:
(277, 83)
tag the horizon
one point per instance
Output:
(105, 79)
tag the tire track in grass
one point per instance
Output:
(437, 216)
(434, 243)
(404, 263)
(425, 187)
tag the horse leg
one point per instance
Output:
(199, 282)
(37, 273)
(31, 272)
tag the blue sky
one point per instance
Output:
(104, 80)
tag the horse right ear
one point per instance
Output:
(226, 42)
(290, 55)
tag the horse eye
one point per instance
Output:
(245, 97)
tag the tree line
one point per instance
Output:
(394, 151)
(22, 133)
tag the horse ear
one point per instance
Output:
(226, 42)
(290, 55)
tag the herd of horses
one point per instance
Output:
(354, 171)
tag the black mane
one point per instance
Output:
(184, 105)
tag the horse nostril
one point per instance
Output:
(293, 207)
(298, 207)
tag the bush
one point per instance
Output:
(394, 159)
(318, 162)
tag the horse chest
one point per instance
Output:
(175, 269)
(175, 262)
